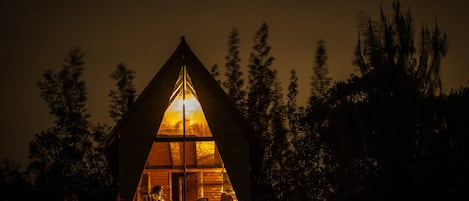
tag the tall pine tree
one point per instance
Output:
(66, 157)
(124, 94)
(261, 81)
(278, 151)
(379, 114)
(292, 108)
(320, 79)
(234, 81)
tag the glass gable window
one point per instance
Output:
(184, 157)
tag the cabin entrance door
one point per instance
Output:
(178, 186)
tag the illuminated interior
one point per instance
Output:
(172, 124)
(184, 158)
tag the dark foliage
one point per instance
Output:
(234, 83)
(214, 72)
(68, 158)
(385, 133)
(124, 95)
(14, 182)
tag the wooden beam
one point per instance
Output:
(179, 139)
(189, 169)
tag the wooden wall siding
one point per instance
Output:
(192, 188)
(144, 183)
(213, 178)
(142, 189)
(207, 184)
(213, 182)
(177, 156)
(160, 177)
(159, 155)
(212, 192)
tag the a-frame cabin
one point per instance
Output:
(209, 154)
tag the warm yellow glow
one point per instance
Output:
(198, 157)
(205, 153)
(196, 124)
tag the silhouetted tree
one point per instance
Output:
(56, 154)
(386, 52)
(320, 80)
(124, 94)
(260, 101)
(214, 72)
(292, 107)
(65, 93)
(315, 165)
(261, 81)
(375, 115)
(234, 81)
(65, 157)
(446, 148)
(278, 144)
(14, 182)
(292, 166)
(320, 83)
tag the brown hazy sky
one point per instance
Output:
(36, 35)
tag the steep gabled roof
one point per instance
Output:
(130, 141)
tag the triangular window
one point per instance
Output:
(184, 158)
(184, 95)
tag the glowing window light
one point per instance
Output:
(198, 154)
(196, 124)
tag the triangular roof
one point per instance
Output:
(131, 140)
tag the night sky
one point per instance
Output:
(36, 35)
